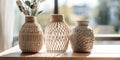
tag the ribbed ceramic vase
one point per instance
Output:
(30, 36)
(57, 35)
(82, 37)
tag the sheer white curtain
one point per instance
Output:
(6, 23)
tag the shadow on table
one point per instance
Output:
(45, 54)
(81, 54)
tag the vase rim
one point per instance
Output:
(82, 21)
(29, 16)
(30, 19)
(58, 14)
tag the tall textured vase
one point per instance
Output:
(30, 36)
(82, 37)
(57, 34)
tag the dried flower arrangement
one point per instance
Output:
(29, 8)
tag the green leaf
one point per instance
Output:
(41, 0)
(18, 3)
(33, 6)
(26, 12)
(34, 0)
(27, 3)
(39, 12)
(21, 8)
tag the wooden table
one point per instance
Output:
(99, 52)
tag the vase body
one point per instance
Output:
(30, 36)
(82, 38)
(57, 35)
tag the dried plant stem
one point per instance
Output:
(37, 7)
(29, 8)
(26, 8)
(56, 7)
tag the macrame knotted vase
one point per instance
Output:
(57, 35)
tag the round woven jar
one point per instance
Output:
(30, 36)
(82, 37)
(57, 35)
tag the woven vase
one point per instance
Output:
(57, 35)
(30, 36)
(82, 37)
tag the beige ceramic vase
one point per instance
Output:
(82, 38)
(30, 36)
(57, 34)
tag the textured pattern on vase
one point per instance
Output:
(82, 39)
(30, 37)
(57, 37)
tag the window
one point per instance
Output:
(104, 16)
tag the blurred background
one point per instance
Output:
(104, 15)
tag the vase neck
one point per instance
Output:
(56, 18)
(83, 23)
(29, 19)
(83, 26)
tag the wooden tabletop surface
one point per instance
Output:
(99, 52)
